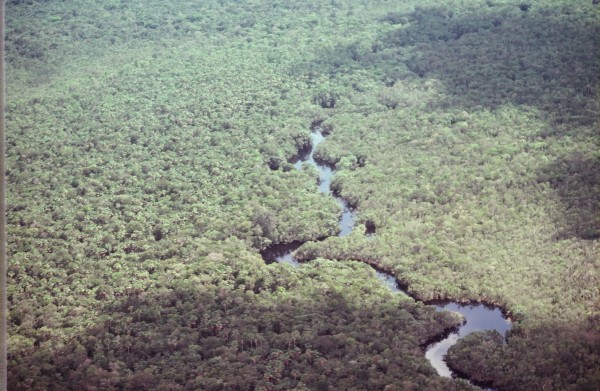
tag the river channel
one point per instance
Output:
(478, 317)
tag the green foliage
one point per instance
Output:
(149, 160)
(481, 357)
(226, 323)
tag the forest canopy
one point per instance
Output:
(150, 150)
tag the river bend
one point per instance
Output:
(478, 317)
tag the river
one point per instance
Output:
(478, 317)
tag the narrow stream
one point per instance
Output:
(325, 175)
(478, 317)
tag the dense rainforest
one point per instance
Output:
(150, 150)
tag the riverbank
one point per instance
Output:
(477, 316)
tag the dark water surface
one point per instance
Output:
(478, 317)
(281, 253)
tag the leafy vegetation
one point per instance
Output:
(149, 150)
(232, 323)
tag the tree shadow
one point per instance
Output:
(547, 59)
(246, 331)
(576, 179)
(554, 355)
(488, 56)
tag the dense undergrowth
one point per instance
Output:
(148, 163)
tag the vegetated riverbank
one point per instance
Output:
(477, 316)
(143, 146)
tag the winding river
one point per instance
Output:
(478, 317)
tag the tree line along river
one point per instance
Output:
(477, 316)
